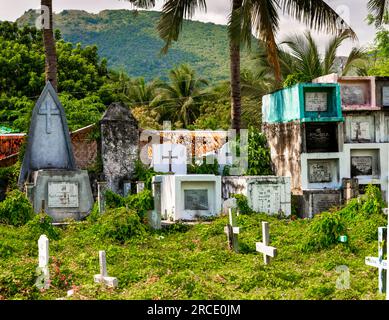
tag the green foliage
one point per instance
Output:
(42, 224)
(324, 231)
(204, 167)
(9, 176)
(142, 173)
(259, 161)
(120, 224)
(15, 210)
(242, 203)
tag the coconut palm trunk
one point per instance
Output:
(49, 44)
(236, 104)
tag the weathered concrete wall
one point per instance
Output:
(119, 145)
(285, 142)
(85, 147)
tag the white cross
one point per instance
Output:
(43, 280)
(102, 277)
(264, 247)
(378, 262)
(232, 231)
(48, 111)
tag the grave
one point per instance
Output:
(43, 280)
(350, 189)
(321, 137)
(263, 247)
(154, 219)
(320, 171)
(318, 201)
(267, 194)
(169, 158)
(360, 128)
(103, 277)
(232, 231)
(382, 91)
(119, 146)
(379, 262)
(187, 197)
(365, 163)
(54, 183)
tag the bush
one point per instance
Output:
(42, 224)
(121, 224)
(9, 176)
(204, 167)
(242, 204)
(324, 231)
(15, 210)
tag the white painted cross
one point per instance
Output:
(264, 247)
(103, 276)
(232, 231)
(378, 262)
(43, 280)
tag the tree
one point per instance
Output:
(262, 16)
(49, 43)
(379, 11)
(180, 98)
(305, 62)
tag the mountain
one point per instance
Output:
(130, 42)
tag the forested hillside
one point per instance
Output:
(130, 42)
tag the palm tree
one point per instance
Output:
(180, 99)
(263, 17)
(379, 10)
(49, 44)
(304, 60)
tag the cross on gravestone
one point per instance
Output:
(43, 280)
(48, 111)
(103, 277)
(170, 157)
(379, 262)
(232, 232)
(263, 246)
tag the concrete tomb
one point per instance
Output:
(119, 146)
(53, 183)
(318, 201)
(267, 194)
(187, 197)
(321, 137)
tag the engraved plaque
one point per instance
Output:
(385, 96)
(353, 95)
(196, 199)
(316, 101)
(361, 166)
(320, 172)
(265, 197)
(360, 131)
(63, 195)
(323, 202)
(321, 137)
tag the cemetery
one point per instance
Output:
(118, 191)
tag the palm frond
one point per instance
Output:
(332, 48)
(356, 56)
(173, 14)
(378, 8)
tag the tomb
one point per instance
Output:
(320, 171)
(53, 183)
(382, 91)
(266, 194)
(365, 163)
(321, 137)
(305, 102)
(318, 201)
(187, 197)
(360, 128)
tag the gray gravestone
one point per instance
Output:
(52, 180)
(353, 95)
(324, 201)
(361, 166)
(316, 101)
(320, 172)
(120, 146)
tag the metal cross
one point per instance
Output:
(170, 157)
(48, 111)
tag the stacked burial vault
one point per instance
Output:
(331, 137)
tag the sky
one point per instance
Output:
(353, 11)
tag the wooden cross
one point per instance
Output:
(264, 247)
(102, 277)
(170, 157)
(379, 262)
(232, 232)
(48, 111)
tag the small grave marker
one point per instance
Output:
(232, 232)
(101, 188)
(379, 262)
(43, 280)
(103, 276)
(263, 246)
